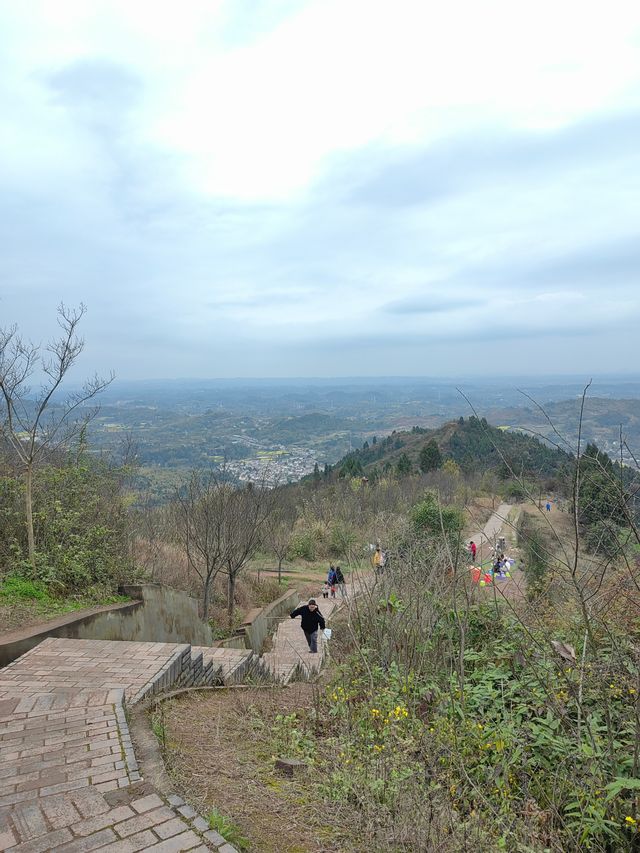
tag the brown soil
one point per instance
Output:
(18, 616)
(220, 756)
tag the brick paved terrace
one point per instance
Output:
(70, 780)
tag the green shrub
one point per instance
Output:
(603, 537)
(515, 491)
(12, 523)
(81, 527)
(302, 546)
(524, 746)
(535, 552)
(290, 738)
(431, 517)
(341, 540)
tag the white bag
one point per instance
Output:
(327, 633)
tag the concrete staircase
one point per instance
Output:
(210, 666)
(289, 658)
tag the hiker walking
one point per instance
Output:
(377, 561)
(473, 548)
(341, 582)
(332, 581)
(311, 620)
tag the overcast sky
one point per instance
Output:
(324, 188)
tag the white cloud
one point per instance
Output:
(218, 201)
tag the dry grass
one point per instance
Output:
(479, 511)
(220, 756)
(167, 564)
(16, 616)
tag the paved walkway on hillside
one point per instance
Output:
(70, 781)
(496, 526)
(290, 658)
(512, 588)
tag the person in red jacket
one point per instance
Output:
(474, 550)
(311, 620)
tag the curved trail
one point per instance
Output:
(485, 539)
(499, 525)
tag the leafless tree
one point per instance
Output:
(220, 526)
(198, 508)
(248, 510)
(35, 423)
(278, 529)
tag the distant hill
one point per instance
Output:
(603, 418)
(472, 443)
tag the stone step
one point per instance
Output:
(232, 665)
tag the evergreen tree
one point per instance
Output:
(404, 465)
(430, 457)
(351, 467)
(602, 496)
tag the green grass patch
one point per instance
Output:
(15, 587)
(31, 599)
(230, 831)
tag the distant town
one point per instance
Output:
(274, 467)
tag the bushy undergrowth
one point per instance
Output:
(453, 723)
(81, 528)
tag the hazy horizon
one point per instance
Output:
(613, 378)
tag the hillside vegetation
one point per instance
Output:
(457, 718)
(473, 444)
(454, 717)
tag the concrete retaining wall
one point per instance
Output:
(160, 614)
(260, 623)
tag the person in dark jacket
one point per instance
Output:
(311, 620)
(342, 584)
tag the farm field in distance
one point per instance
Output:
(279, 430)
